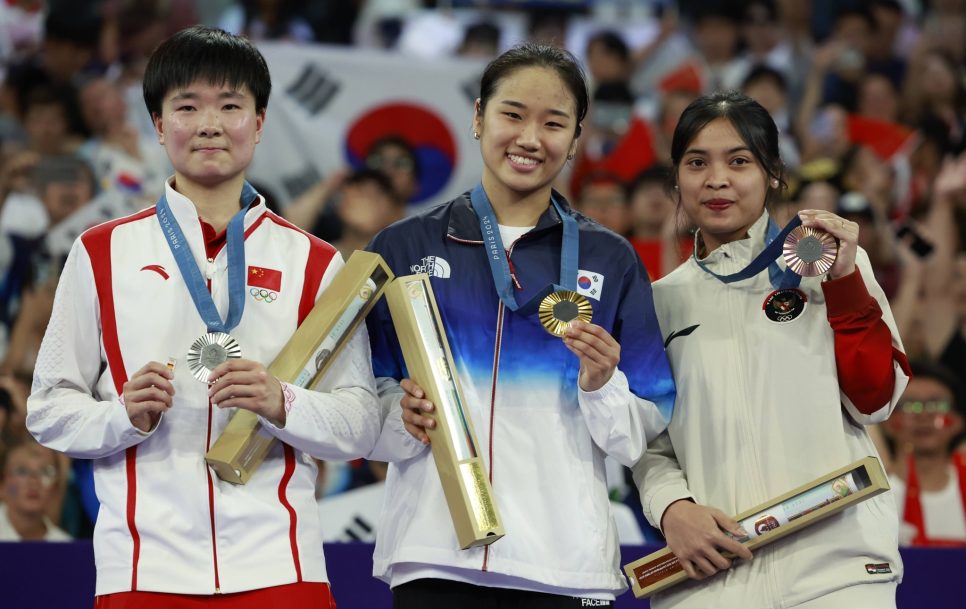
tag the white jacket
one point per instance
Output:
(759, 411)
(166, 522)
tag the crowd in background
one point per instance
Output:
(869, 96)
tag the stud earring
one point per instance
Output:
(571, 156)
(476, 135)
(774, 183)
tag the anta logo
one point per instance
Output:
(157, 268)
(434, 266)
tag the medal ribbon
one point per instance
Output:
(499, 265)
(768, 258)
(193, 279)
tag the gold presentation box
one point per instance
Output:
(773, 520)
(355, 289)
(429, 361)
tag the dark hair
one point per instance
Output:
(483, 33)
(658, 175)
(752, 122)
(612, 43)
(377, 178)
(764, 72)
(399, 142)
(209, 54)
(770, 9)
(858, 11)
(924, 369)
(530, 54)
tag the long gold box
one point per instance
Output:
(429, 361)
(774, 519)
(355, 289)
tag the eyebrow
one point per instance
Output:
(729, 151)
(223, 95)
(522, 106)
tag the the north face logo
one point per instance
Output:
(434, 266)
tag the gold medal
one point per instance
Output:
(209, 351)
(810, 252)
(559, 309)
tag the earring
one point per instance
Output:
(774, 183)
(675, 187)
(476, 135)
(571, 156)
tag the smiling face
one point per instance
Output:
(209, 132)
(722, 185)
(527, 129)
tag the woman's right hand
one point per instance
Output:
(147, 394)
(415, 407)
(696, 535)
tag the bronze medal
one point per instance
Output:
(810, 252)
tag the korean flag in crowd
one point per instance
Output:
(329, 105)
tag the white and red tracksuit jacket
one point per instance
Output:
(763, 407)
(166, 523)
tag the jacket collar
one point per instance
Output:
(742, 251)
(464, 225)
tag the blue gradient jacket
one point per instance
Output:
(542, 439)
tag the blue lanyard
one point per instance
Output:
(767, 258)
(193, 279)
(500, 267)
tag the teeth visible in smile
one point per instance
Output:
(521, 160)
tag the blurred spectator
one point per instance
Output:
(46, 121)
(30, 476)
(608, 58)
(268, 20)
(768, 87)
(929, 482)
(480, 40)
(121, 157)
(367, 203)
(716, 38)
(654, 232)
(603, 199)
(878, 98)
(935, 90)
(764, 42)
(395, 157)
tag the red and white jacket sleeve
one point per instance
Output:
(872, 366)
(65, 411)
(341, 417)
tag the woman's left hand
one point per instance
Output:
(597, 350)
(846, 231)
(246, 384)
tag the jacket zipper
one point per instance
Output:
(211, 484)
(496, 368)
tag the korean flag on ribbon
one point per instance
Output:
(590, 284)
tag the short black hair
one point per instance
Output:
(378, 178)
(612, 42)
(396, 141)
(208, 54)
(659, 175)
(859, 11)
(764, 72)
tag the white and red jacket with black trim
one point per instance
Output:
(763, 407)
(166, 523)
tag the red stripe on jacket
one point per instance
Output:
(320, 255)
(97, 242)
(863, 343)
(319, 258)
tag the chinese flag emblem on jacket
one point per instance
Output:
(260, 277)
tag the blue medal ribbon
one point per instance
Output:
(193, 279)
(768, 257)
(500, 267)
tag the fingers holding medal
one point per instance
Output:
(598, 351)
(845, 231)
(247, 384)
